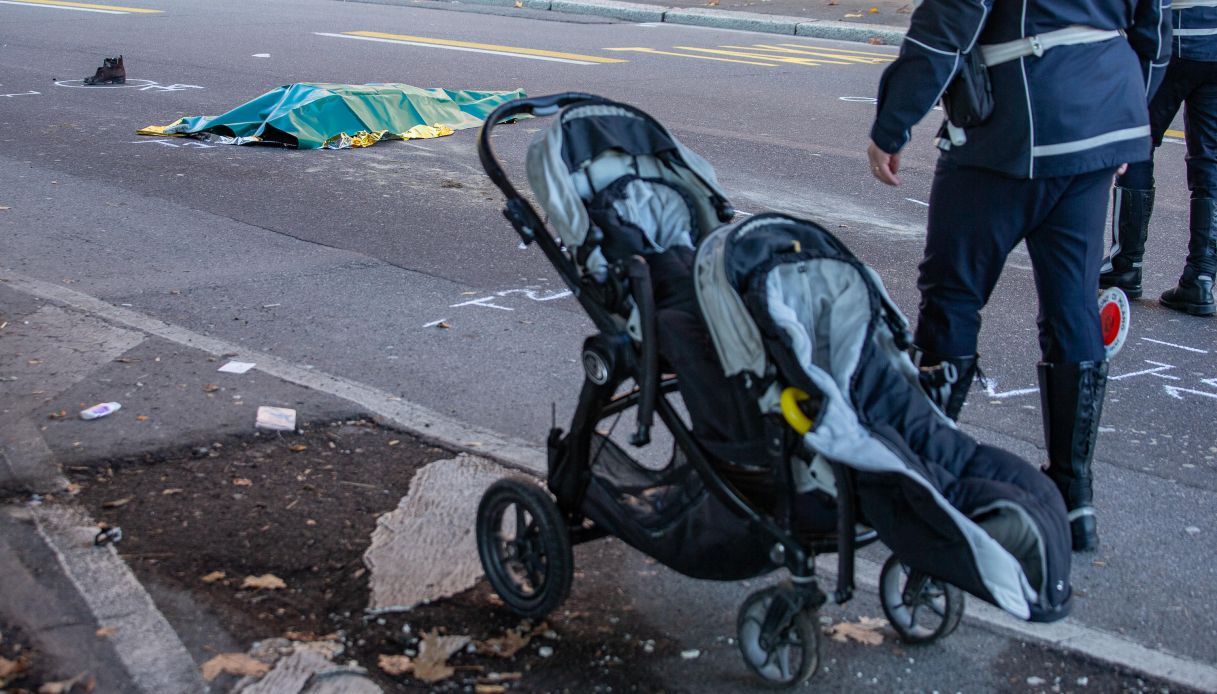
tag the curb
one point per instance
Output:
(874, 34)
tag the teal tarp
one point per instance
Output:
(309, 115)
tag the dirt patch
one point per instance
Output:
(301, 509)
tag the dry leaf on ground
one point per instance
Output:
(267, 581)
(297, 447)
(106, 631)
(875, 41)
(238, 664)
(87, 684)
(171, 491)
(510, 643)
(9, 668)
(395, 665)
(213, 577)
(116, 503)
(489, 689)
(431, 665)
(210, 388)
(866, 630)
(242, 482)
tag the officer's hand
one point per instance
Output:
(883, 165)
(1122, 170)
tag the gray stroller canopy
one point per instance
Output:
(590, 146)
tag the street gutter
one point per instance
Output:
(873, 34)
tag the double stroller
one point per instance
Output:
(791, 421)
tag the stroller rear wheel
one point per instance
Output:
(778, 638)
(524, 546)
(921, 609)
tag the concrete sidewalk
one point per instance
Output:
(878, 22)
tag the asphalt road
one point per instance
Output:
(338, 259)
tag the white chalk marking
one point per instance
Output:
(532, 294)
(434, 323)
(1177, 393)
(260, 55)
(21, 94)
(1171, 344)
(484, 301)
(923, 204)
(458, 48)
(991, 390)
(1160, 367)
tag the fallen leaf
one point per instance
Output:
(87, 682)
(489, 688)
(873, 10)
(395, 665)
(865, 631)
(510, 643)
(72, 489)
(394, 442)
(519, 4)
(854, 14)
(116, 502)
(210, 388)
(33, 362)
(141, 418)
(308, 636)
(242, 482)
(238, 664)
(267, 581)
(712, 3)
(443, 325)
(213, 577)
(9, 668)
(431, 665)
(875, 41)
(171, 491)
(297, 447)
(57, 415)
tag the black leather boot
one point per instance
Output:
(111, 71)
(945, 380)
(1131, 209)
(1194, 295)
(1071, 399)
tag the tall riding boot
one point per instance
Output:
(1131, 209)
(1194, 295)
(945, 380)
(1071, 399)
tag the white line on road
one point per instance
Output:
(434, 323)
(1171, 344)
(428, 424)
(923, 204)
(61, 7)
(1159, 367)
(456, 48)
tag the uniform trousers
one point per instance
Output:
(976, 218)
(1193, 83)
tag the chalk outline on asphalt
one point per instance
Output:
(1089, 642)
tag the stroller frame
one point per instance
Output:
(611, 359)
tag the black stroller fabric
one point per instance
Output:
(976, 516)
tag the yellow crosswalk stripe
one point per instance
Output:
(84, 6)
(821, 52)
(494, 48)
(1176, 133)
(654, 51)
(776, 58)
(889, 56)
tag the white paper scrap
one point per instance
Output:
(236, 367)
(276, 418)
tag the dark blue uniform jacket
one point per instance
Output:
(1195, 24)
(1073, 110)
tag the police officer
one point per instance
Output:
(1191, 78)
(1069, 82)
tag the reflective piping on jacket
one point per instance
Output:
(1184, 4)
(1195, 32)
(1090, 142)
(1022, 66)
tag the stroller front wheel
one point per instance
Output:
(524, 546)
(921, 609)
(779, 643)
